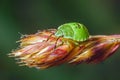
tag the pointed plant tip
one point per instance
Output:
(70, 43)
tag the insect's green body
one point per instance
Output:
(75, 31)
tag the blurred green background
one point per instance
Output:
(29, 16)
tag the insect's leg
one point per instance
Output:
(49, 37)
(52, 33)
(57, 42)
(59, 38)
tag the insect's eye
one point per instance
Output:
(75, 31)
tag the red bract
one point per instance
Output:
(44, 49)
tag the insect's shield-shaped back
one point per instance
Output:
(75, 31)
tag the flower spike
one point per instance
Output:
(44, 49)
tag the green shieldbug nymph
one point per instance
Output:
(75, 31)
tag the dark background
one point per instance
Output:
(29, 16)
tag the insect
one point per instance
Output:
(75, 31)
(52, 47)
